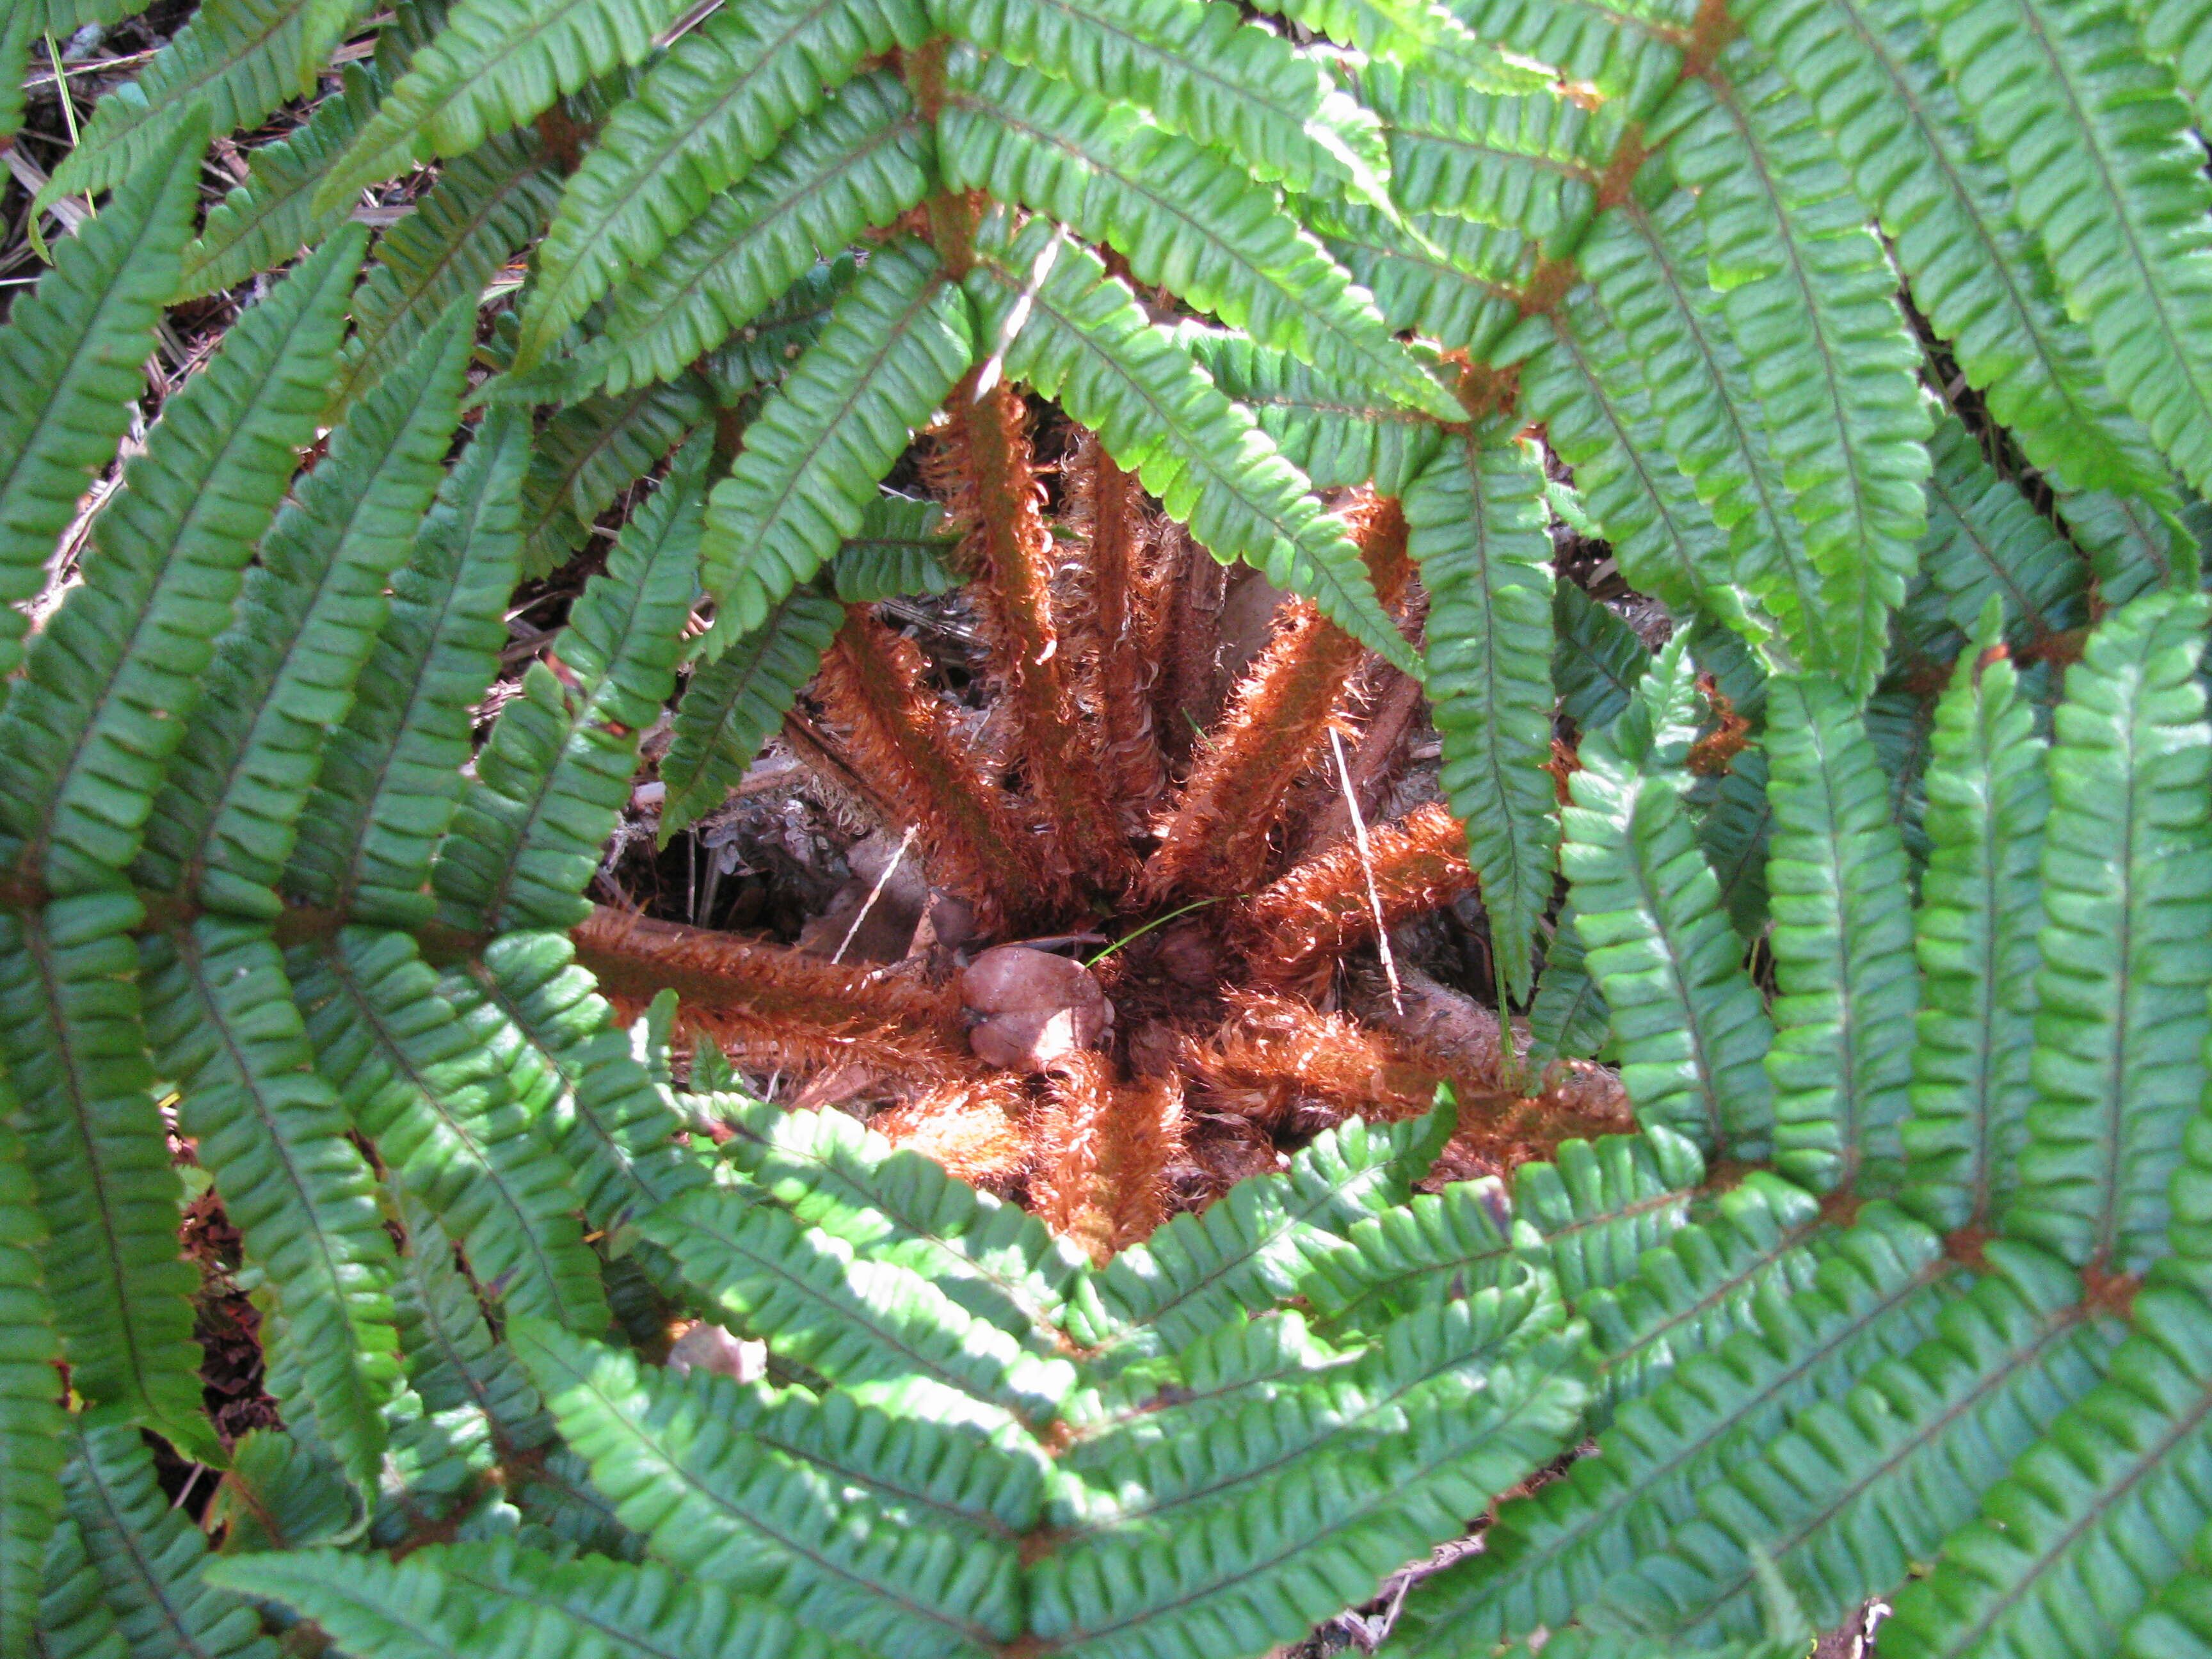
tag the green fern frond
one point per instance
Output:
(1195, 1458)
(444, 1120)
(762, 352)
(1600, 1204)
(989, 1257)
(494, 65)
(722, 99)
(2100, 155)
(900, 549)
(1976, 937)
(392, 775)
(265, 220)
(16, 32)
(453, 1364)
(1704, 1283)
(898, 340)
(63, 17)
(75, 1054)
(1077, 334)
(1186, 219)
(73, 1622)
(1841, 943)
(268, 1127)
(1475, 524)
(557, 769)
(1805, 288)
(74, 347)
(1192, 1390)
(87, 734)
(30, 1425)
(484, 206)
(1597, 660)
(1863, 1486)
(862, 159)
(818, 1305)
(1633, 51)
(2121, 1018)
(1568, 1019)
(2173, 31)
(238, 59)
(1984, 538)
(589, 453)
(1901, 726)
(308, 615)
(1450, 279)
(152, 1561)
(1549, 1554)
(945, 1473)
(1523, 158)
(1440, 1247)
(1195, 1274)
(2135, 542)
(1339, 435)
(1688, 1026)
(1253, 1568)
(1647, 265)
(2179, 1620)
(499, 1601)
(1734, 834)
(1869, 70)
(281, 1491)
(374, 1607)
(1580, 378)
(1405, 31)
(727, 1481)
(1595, 1210)
(1204, 71)
(735, 703)
(2090, 1520)
(572, 1070)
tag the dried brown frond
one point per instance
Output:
(1293, 931)
(900, 739)
(1101, 1152)
(973, 1128)
(1216, 839)
(1110, 617)
(778, 1005)
(985, 469)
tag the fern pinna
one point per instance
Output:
(1898, 1278)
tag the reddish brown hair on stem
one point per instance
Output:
(972, 1127)
(1293, 931)
(1102, 1153)
(986, 471)
(1217, 839)
(899, 738)
(773, 1001)
(1112, 615)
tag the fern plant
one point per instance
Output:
(1897, 1279)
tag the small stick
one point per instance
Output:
(1367, 868)
(874, 893)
